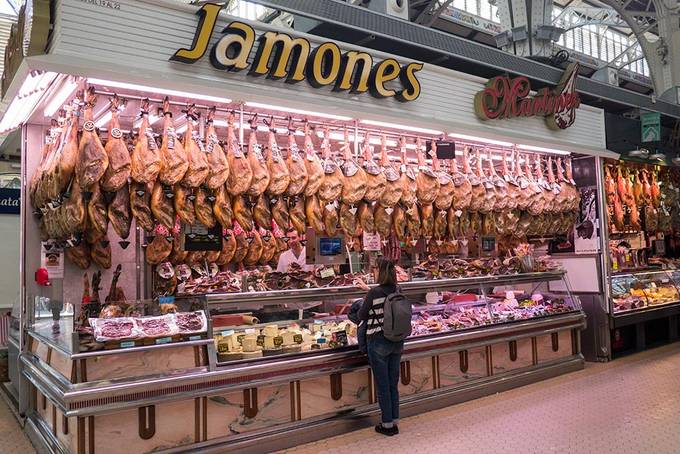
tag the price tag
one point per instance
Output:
(228, 332)
(250, 330)
(163, 340)
(371, 241)
(278, 341)
(260, 340)
(127, 344)
(341, 337)
(297, 338)
(327, 272)
(194, 338)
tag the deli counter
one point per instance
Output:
(266, 365)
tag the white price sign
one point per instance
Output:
(371, 241)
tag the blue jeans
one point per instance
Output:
(384, 356)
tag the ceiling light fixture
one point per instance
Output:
(639, 153)
(542, 149)
(383, 124)
(60, 97)
(155, 90)
(659, 156)
(310, 113)
(480, 139)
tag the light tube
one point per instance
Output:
(542, 149)
(164, 91)
(480, 139)
(60, 98)
(383, 124)
(297, 111)
(103, 120)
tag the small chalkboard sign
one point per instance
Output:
(446, 149)
(488, 246)
(198, 237)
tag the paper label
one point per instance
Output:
(371, 241)
(116, 133)
(170, 132)
(89, 126)
(389, 211)
(163, 340)
(353, 210)
(458, 213)
(151, 140)
(127, 344)
(350, 168)
(212, 141)
(52, 259)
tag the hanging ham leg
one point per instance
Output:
(330, 218)
(222, 207)
(489, 200)
(478, 190)
(184, 206)
(92, 159)
(218, 164)
(198, 169)
(258, 164)
(315, 171)
(394, 186)
(140, 205)
(427, 183)
(383, 221)
(175, 159)
(348, 219)
(97, 213)
(462, 188)
(145, 162)
(162, 207)
(366, 217)
(296, 165)
(407, 177)
(242, 213)
(331, 186)
(313, 212)
(501, 199)
(240, 172)
(118, 171)
(279, 175)
(203, 208)
(446, 187)
(375, 178)
(355, 185)
(296, 211)
(119, 212)
(262, 214)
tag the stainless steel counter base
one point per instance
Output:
(263, 406)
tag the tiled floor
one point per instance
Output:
(12, 438)
(631, 405)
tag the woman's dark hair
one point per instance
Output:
(387, 273)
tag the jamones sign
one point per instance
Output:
(280, 56)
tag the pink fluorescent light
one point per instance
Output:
(60, 97)
(152, 119)
(258, 105)
(179, 94)
(383, 124)
(542, 149)
(103, 120)
(481, 140)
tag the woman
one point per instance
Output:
(384, 356)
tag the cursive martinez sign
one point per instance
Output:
(281, 56)
(10, 201)
(505, 97)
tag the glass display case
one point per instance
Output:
(637, 291)
(255, 325)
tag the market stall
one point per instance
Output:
(164, 191)
(642, 201)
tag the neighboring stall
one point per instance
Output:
(642, 201)
(151, 309)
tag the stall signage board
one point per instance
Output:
(198, 237)
(506, 97)
(371, 241)
(282, 56)
(10, 201)
(650, 122)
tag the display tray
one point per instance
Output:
(644, 314)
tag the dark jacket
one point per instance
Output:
(361, 324)
(372, 308)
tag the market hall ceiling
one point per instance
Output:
(361, 26)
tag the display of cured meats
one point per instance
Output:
(145, 161)
(118, 170)
(174, 160)
(92, 160)
(240, 173)
(198, 169)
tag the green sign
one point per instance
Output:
(651, 126)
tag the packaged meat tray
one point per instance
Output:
(112, 329)
(191, 322)
(161, 326)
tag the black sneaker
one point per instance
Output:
(387, 431)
